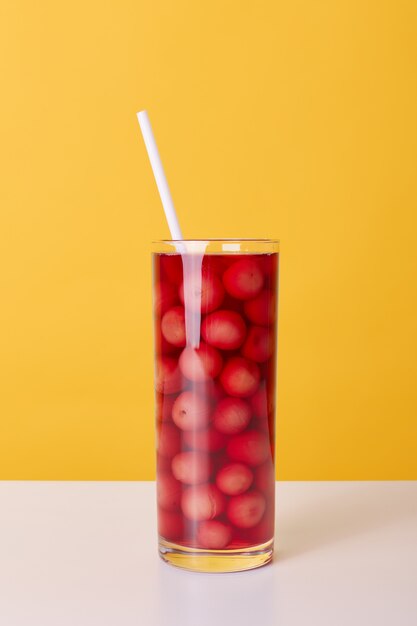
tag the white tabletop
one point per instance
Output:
(84, 554)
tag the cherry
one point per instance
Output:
(246, 510)
(224, 329)
(234, 479)
(202, 363)
(171, 267)
(251, 447)
(168, 377)
(259, 344)
(202, 502)
(191, 467)
(205, 292)
(190, 411)
(213, 535)
(214, 264)
(232, 415)
(262, 309)
(168, 491)
(162, 347)
(240, 377)
(244, 279)
(173, 326)
(165, 296)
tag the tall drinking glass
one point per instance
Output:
(215, 311)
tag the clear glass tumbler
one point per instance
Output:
(215, 311)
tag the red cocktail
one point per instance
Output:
(215, 340)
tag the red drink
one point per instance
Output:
(216, 337)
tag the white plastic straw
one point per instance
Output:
(158, 172)
(192, 253)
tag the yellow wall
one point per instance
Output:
(291, 119)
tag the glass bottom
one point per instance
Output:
(220, 561)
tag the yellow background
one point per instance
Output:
(292, 119)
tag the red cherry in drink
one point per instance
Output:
(215, 264)
(191, 411)
(213, 535)
(165, 296)
(259, 344)
(225, 330)
(191, 467)
(168, 377)
(202, 363)
(207, 440)
(171, 268)
(244, 279)
(173, 326)
(231, 416)
(234, 479)
(246, 510)
(262, 309)
(168, 439)
(162, 347)
(170, 525)
(202, 502)
(240, 377)
(204, 292)
(251, 447)
(168, 491)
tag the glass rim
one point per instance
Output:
(218, 239)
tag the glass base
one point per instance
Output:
(216, 560)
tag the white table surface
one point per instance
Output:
(84, 554)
